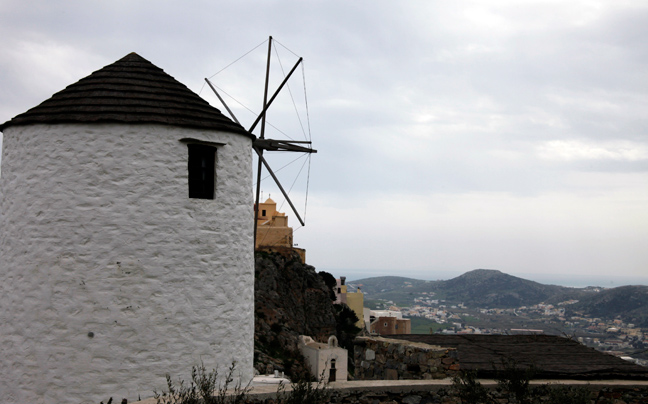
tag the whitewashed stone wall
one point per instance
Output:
(110, 276)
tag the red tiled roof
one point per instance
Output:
(131, 90)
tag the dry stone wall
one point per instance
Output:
(379, 358)
(444, 393)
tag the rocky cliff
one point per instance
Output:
(291, 299)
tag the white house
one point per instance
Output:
(126, 249)
(327, 362)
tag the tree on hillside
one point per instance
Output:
(346, 329)
(330, 282)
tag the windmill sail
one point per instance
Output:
(262, 144)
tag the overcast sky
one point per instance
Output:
(451, 136)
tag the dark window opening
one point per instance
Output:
(263, 212)
(202, 159)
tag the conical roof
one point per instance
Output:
(131, 90)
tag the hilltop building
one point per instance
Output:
(389, 322)
(272, 226)
(127, 239)
(273, 231)
(355, 300)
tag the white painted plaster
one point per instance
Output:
(319, 357)
(99, 238)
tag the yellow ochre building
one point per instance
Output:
(273, 231)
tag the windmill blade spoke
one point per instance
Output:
(267, 166)
(222, 101)
(283, 145)
(266, 106)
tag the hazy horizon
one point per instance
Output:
(576, 281)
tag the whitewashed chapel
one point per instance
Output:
(126, 243)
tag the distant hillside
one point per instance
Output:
(485, 288)
(385, 284)
(395, 288)
(628, 303)
(489, 288)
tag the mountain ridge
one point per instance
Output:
(490, 288)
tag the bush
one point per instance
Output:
(303, 392)
(513, 381)
(203, 389)
(470, 390)
(568, 395)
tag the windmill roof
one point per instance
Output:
(131, 90)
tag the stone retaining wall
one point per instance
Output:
(442, 392)
(379, 358)
(445, 395)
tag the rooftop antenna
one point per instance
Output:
(262, 144)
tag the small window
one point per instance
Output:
(263, 213)
(202, 175)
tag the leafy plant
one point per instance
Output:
(330, 282)
(470, 390)
(303, 392)
(203, 388)
(346, 329)
(513, 380)
(568, 395)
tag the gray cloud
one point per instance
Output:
(450, 135)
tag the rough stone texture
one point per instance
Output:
(110, 276)
(290, 300)
(379, 358)
(446, 395)
(442, 392)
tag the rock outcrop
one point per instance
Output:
(291, 299)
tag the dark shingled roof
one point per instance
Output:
(131, 90)
(553, 357)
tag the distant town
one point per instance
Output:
(430, 314)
